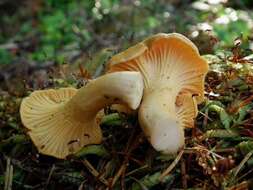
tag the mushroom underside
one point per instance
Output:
(52, 126)
(62, 121)
(174, 71)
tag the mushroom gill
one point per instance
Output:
(173, 74)
(62, 121)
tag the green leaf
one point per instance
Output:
(96, 66)
(245, 147)
(113, 119)
(98, 150)
(221, 133)
(71, 177)
(243, 111)
(225, 118)
(5, 56)
(150, 181)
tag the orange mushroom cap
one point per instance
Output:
(173, 72)
(165, 58)
(62, 121)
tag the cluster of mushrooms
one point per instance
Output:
(162, 77)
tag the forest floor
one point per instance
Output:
(219, 151)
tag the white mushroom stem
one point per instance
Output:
(157, 117)
(120, 87)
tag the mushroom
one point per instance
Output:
(62, 121)
(173, 73)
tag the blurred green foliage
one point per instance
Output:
(59, 30)
(5, 56)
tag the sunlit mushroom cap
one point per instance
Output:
(52, 128)
(173, 74)
(165, 58)
(62, 121)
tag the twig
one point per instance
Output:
(118, 174)
(84, 73)
(183, 173)
(138, 169)
(245, 159)
(131, 145)
(50, 175)
(131, 158)
(143, 187)
(123, 175)
(206, 117)
(241, 186)
(81, 186)
(197, 148)
(244, 175)
(225, 150)
(123, 166)
(94, 172)
(172, 165)
(8, 175)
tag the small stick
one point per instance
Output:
(246, 101)
(116, 177)
(130, 146)
(183, 173)
(136, 170)
(245, 159)
(94, 172)
(241, 186)
(195, 149)
(225, 150)
(8, 175)
(244, 175)
(84, 73)
(131, 158)
(50, 175)
(118, 174)
(172, 165)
